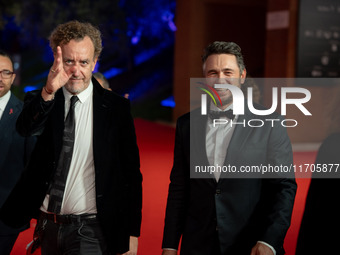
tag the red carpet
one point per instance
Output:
(300, 200)
(156, 143)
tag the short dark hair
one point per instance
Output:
(5, 54)
(75, 30)
(220, 47)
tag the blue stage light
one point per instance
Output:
(168, 102)
(30, 88)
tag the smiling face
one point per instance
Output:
(223, 69)
(5, 84)
(79, 62)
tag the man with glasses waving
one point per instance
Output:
(14, 149)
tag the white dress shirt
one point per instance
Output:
(80, 195)
(218, 139)
(217, 143)
(3, 102)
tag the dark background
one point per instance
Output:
(318, 39)
(138, 41)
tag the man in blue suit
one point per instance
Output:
(14, 149)
(222, 215)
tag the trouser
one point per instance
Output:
(8, 236)
(7, 242)
(75, 235)
(212, 247)
(216, 250)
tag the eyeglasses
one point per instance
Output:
(6, 74)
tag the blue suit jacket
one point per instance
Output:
(243, 210)
(14, 151)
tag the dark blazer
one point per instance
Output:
(320, 223)
(243, 210)
(116, 159)
(14, 151)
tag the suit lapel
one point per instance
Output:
(7, 126)
(237, 142)
(198, 152)
(197, 137)
(9, 115)
(239, 138)
(101, 121)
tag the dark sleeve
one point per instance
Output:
(178, 189)
(321, 216)
(29, 146)
(35, 112)
(278, 191)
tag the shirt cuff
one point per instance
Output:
(271, 247)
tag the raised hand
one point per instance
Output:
(57, 77)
